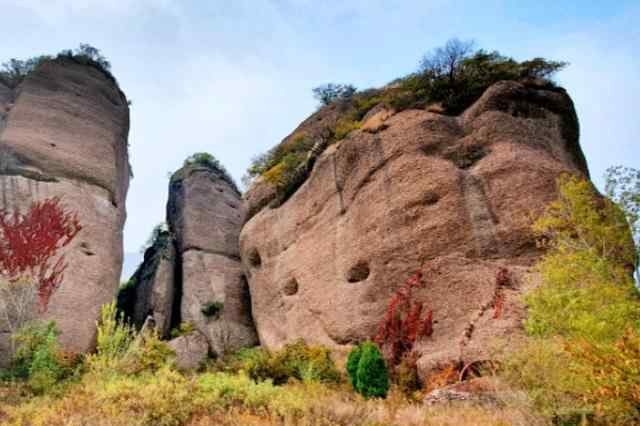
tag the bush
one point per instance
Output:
(331, 92)
(367, 371)
(120, 348)
(38, 357)
(584, 316)
(295, 361)
(212, 309)
(206, 160)
(183, 328)
(15, 71)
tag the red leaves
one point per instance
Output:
(30, 242)
(403, 324)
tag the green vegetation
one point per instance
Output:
(206, 160)
(331, 92)
(295, 361)
(132, 380)
(451, 77)
(367, 371)
(581, 361)
(212, 309)
(39, 359)
(623, 187)
(15, 71)
(183, 328)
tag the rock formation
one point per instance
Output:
(413, 189)
(150, 291)
(63, 132)
(207, 285)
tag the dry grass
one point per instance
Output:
(168, 398)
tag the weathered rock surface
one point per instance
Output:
(191, 350)
(200, 280)
(205, 214)
(151, 290)
(66, 136)
(454, 193)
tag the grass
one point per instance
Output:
(169, 398)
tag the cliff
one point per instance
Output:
(409, 190)
(197, 264)
(63, 133)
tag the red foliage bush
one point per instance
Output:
(403, 323)
(30, 242)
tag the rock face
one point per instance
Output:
(151, 289)
(191, 350)
(416, 188)
(65, 135)
(203, 274)
(205, 214)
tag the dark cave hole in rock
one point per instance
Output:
(431, 198)
(254, 258)
(291, 287)
(358, 272)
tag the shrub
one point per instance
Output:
(212, 309)
(15, 71)
(623, 187)
(206, 160)
(403, 322)
(185, 327)
(580, 361)
(367, 371)
(86, 54)
(39, 358)
(296, 360)
(352, 365)
(121, 349)
(406, 374)
(331, 92)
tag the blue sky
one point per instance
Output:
(235, 77)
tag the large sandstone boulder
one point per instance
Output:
(205, 214)
(455, 194)
(66, 136)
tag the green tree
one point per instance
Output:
(14, 71)
(367, 371)
(622, 185)
(331, 92)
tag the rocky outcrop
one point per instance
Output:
(191, 350)
(414, 189)
(151, 290)
(65, 135)
(203, 276)
(205, 214)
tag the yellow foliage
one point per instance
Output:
(580, 361)
(344, 126)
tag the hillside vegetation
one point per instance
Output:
(580, 362)
(449, 80)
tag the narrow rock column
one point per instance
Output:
(205, 215)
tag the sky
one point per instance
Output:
(234, 77)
